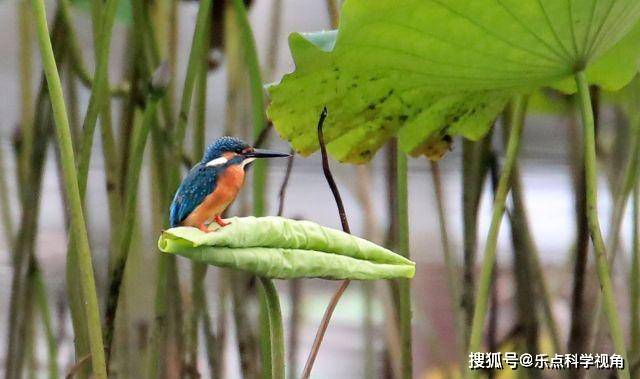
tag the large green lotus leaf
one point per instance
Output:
(441, 68)
(276, 247)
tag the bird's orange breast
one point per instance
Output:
(227, 187)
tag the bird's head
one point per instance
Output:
(230, 150)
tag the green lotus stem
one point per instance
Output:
(100, 88)
(474, 169)
(154, 47)
(198, 270)
(30, 332)
(5, 205)
(526, 285)
(45, 313)
(127, 223)
(159, 336)
(214, 340)
(25, 33)
(545, 295)
(172, 50)
(602, 263)
(264, 334)
(109, 154)
(78, 226)
(520, 227)
(193, 70)
(484, 283)
(449, 258)
(146, 41)
(75, 54)
(628, 180)
(277, 333)
(159, 331)
(402, 215)
(257, 103)
(176, 142)
(634, 276)
(102, 27)
(260, 167)
(24, 242)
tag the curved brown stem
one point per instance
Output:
(322, 329)
(285, 182)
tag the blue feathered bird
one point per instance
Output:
(212, 185)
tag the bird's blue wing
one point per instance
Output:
(199, 182)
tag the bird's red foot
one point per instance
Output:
(220, 222)
(204, 228)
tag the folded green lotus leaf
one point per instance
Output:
(276, 247)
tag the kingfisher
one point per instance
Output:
(212, 184)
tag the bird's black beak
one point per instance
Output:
(262, 153)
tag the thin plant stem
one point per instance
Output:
(247, 340)
(363, 193)
(523, 267)
(99, 89)
(127, 224)
(96, 103)
(109, 155)
(73, 105)
(264, 335)
(449, 259)
(295, 286)
(24, 248)
(628, 180)
(45, 314)
(214, 341)
(25, 61)
(275, 22)
(193, 70)
(259, 123)
(276, 332)
(334, 12)
(404, 285)
(579, 318)
(326, 318)
(166, 263)
(159, 332)
(30, 334)
(537, 271)
(634, 276)
(78, 226)
(149, 36)
(324, 324)
(257, 102)
(295, 319)
(5, 205)
(103, 18)
(75, 55)
(172, 49)
(484, 283)
(602, 263)
(198, 270)
(474, 168)
(285, 182)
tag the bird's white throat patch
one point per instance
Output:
(247, 161)
(217, 162)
